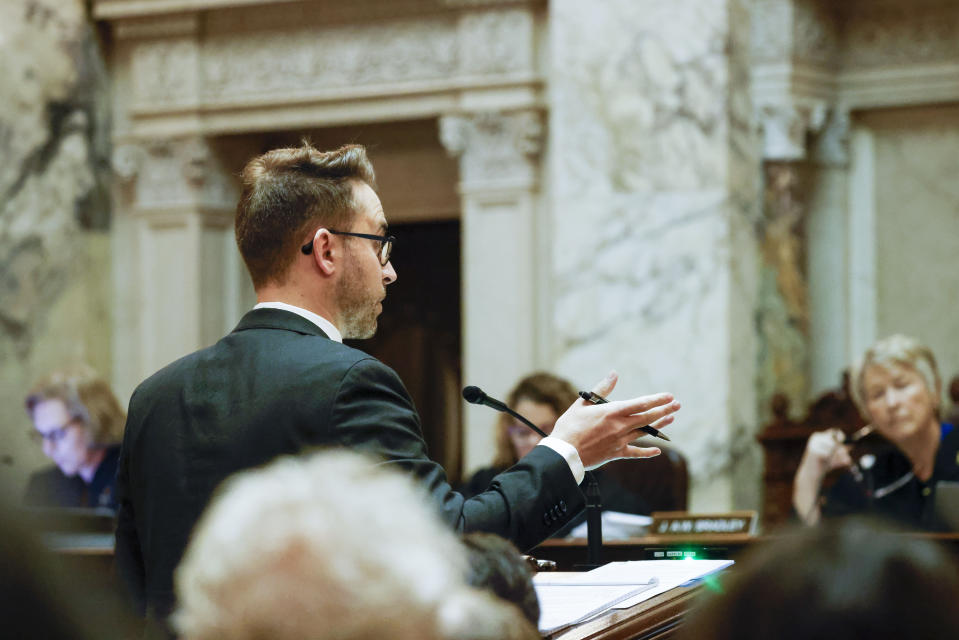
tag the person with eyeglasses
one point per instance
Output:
(542, 397)
(910, 480)
(79, 423)
(313, 234)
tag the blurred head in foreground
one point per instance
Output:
(330, 546)
(849, 579)
(497, 565)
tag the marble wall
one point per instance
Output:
(614, 144)
(653, 199)
(54, 211)
(917, 227)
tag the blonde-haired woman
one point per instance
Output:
(79, 423)
(897, 388)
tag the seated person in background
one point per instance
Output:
(542, 398)
(897, 388)
(331, 546)
(497, 565)
(847, 579)
(80, 423)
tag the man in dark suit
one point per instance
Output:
(314, 237)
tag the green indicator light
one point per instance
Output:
(713, 584)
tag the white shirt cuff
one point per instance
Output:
(569, 453)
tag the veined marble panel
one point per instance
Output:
(653, 205)
(646, 110)
(648, 292)
(53, 255)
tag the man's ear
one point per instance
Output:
(325, 252)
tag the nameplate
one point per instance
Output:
(681, 524)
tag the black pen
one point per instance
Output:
(595, 398)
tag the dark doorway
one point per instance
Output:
(419, 331)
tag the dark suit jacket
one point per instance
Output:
(277, 385)
(50, 488)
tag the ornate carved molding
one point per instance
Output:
(887, 34)
(442, 51)
(496, 42)
(165, 72)
(495, 149)
(802, 31)
(168, 175)
(785, 128)
(158, 27)
(859, 54)
(489, 3)
(815, 33)
(771, 24)
(794, 60)
(308, 62)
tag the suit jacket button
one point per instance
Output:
(546, 519)
(562, 506)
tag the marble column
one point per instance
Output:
(174, 259)
(502, 257)
(783, 315)
(653, 203)
(833, 248)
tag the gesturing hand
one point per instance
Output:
(603, 432)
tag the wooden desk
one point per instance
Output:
(570, 553)
(656, 619)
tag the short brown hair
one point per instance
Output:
(286, 191)
(541, 388)
(87, 398)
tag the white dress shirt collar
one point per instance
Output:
(325, 325)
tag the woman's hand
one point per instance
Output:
(824, 452)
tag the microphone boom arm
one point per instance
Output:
(524, 421)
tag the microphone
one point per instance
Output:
(475, 395)
(594, 507)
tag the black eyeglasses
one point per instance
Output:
(54, 435)
(386, 244)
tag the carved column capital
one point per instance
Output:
(785, 128)
(181, 174)
(496, 149)
(832, 144)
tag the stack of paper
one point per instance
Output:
(616, 526)
(570, 598)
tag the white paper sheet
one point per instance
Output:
(616, 526)
(562, 605)
(669, 573)
(569, 598)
